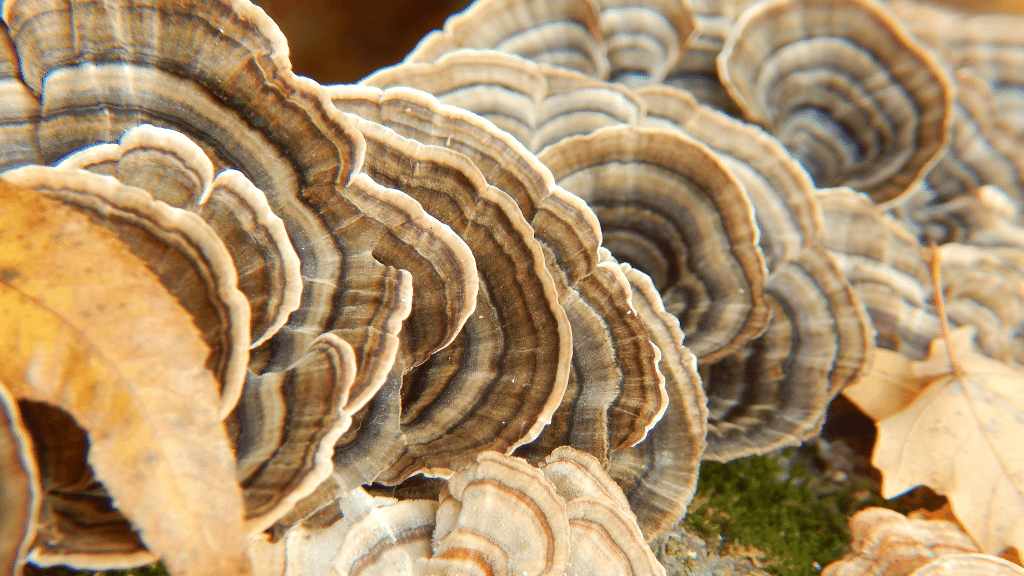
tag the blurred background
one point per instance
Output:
(335, 41)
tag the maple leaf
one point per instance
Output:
(86, 327)
(961, 434)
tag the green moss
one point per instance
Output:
(775, 509)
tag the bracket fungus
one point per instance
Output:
(524, 272)
(844, 86)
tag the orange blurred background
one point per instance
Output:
(335, 41)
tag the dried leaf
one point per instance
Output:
(88, 328)
(889, 386)
(19, 487)
(961, 436)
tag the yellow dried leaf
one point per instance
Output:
(961, 436)
(85, 326)
(888, 387)
(19, 487)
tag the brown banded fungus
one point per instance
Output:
(415, 281)
(659, 475)
(844, 87)
(514, 347)
(307, 197)
(615, 393)
(984, 151)
(882, 260)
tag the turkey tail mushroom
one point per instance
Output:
(775, 391)
(515, 347)
(882, 260)
(785, 203)
(94, 83)
(614, 381)
(984, 151)
(659, 475)
(845, 88)
(537, 103)
(987, 44)
(565, 33)
(670, 208)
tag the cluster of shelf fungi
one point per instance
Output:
(654, 232)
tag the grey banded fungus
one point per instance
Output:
(774, 392)
(696, 71)
(659, 475)
(643, 40)
(565, 517)
(881, 259)
(785, 204)
(179, 247)
(984, 288)
(630, 41)
(670, 208)
(539, 104)
(987, 44)
(984, 151)
(468, 277)
(565, 33)
(846, 89)
(516, 303)
(603, 532)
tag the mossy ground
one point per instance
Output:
(781, 511)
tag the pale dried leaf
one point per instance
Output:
(88, 328)
(889, 386)
(19, 487)
(961, 437)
